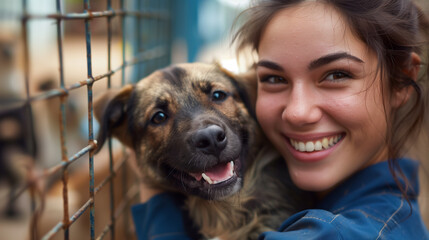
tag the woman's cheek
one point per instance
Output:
(269, 109)
(265, 109)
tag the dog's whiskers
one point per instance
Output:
(171, 172)
(192, 159)
(181, 180)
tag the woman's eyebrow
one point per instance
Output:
(314, 64)
(270, 65)
(331, 58)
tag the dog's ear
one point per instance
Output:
(111, 109)
(246, 84)
(249, 80)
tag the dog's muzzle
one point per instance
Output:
(210, 140)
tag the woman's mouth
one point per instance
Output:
(317, 144)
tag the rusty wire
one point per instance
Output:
(154, 54)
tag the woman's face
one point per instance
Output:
(319, 96)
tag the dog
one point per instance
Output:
(193, 129)
(18, 148)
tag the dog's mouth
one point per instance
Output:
(217, 174)
(215, 182)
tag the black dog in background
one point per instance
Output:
(17, 139)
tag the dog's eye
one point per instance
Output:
(219, 95)
(158, 117)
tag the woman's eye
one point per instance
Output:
(159, 117)
(219, 95)
(273, 79)
(337, 76)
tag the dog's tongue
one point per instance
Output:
(216, 174)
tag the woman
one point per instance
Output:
(339, 97)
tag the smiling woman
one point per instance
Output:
(335, 97)
(316, 95)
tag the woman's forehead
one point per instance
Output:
(312, 15)
(309, 30)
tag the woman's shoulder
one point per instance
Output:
(388, 219)
(369, 205)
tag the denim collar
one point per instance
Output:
(375, 179)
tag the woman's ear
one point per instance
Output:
(401, 96)
(412, 70)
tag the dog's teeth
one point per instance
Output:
(218, 179)
(207, 178)
(231, 168)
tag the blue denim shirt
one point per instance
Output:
(368, 205)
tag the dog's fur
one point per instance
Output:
(186, 119)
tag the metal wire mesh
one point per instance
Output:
(147, 34)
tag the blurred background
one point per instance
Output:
(50, 50)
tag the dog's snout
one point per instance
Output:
(210, 140)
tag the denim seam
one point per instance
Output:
(390, 218)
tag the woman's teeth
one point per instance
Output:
(316, 145)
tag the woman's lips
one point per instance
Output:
(316, 145)
(315, 149)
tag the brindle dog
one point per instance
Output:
(193, 129)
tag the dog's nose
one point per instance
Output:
(210, 140)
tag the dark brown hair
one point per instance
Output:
(393, 30)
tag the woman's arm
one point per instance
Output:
(161, 218)
(159, 215)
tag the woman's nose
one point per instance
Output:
(303, 107)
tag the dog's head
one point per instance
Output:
(191, 125)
